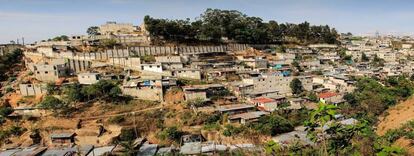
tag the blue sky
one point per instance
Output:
(41, 19)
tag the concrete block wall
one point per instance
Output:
(32, 89)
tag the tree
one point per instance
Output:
(61, 38)
(215, 25)
(364, 58)
(74, 92)
(350, 98)
(115, 92)
(91, 91)
(296, 86)
(53, 103)
(94, 30)
(5, 111)
(272, 125)
(51, 88)
(318, 119)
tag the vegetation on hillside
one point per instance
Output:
(372, 97)
(216, 25)
(8, 61)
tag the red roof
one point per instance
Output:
(327, 95)
(262, 100)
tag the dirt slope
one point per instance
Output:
(398, 115)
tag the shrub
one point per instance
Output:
(9, 90)
(127, 134)
(213, 118)
(171, 133)
(231, 130)
(116, 119)
(213, 126)
(13, 78)
(5, 111)
(198, 102)
(16, 130)
(2, 120)
(272, 125)
(51, 102)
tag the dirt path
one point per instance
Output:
(119, 114)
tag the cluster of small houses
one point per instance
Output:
(263, 84)
(63, 144)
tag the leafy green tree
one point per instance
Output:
(318, 119)
(52, 103)
(296, 86)
(115, 92)
(94, 30)
(272, 125)
(104, 86)
(74, 92)
(51, 88)
(215, 25)
(351, 99)
(61, 38)
(91, 91)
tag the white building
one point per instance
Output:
(89, 78)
